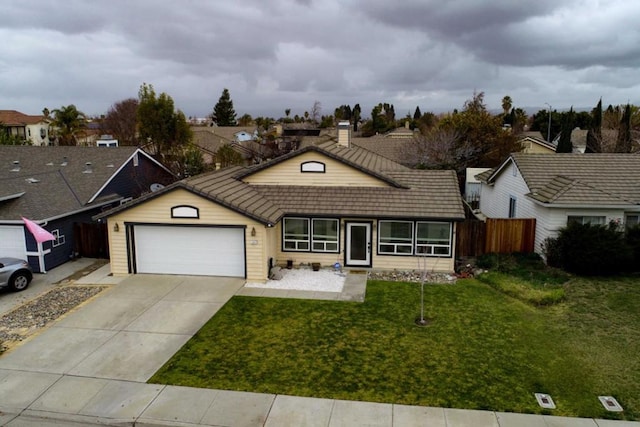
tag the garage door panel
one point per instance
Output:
(209, 251)
(12, 242)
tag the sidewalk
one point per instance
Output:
(91, 368)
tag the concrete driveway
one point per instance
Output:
(128, 332)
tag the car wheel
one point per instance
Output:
(19, 282)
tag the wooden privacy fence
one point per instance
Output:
(91, 240)
(500, 235)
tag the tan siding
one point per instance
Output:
(379, 262)
(158, 211)
(336, 174)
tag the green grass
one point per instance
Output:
(481, 350)
(525, 277)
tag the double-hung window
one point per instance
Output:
(395, 237)
(296, 234)
(325, 235)
(433, 238)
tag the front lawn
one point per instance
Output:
(482, 349)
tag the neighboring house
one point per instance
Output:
(58, 187)
(106, 141)
(210, 138)
(472, 185)
(34, 129)
(324, 203)
(588, 188)
(532, 142)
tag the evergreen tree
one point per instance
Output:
(417, 114)
(594, 135)
(355, 114)
(623, 143)
(564, 144)
(223, 112)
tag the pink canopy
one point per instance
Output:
(39, 233)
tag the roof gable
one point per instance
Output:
(360, 161)
(577, 178)
(58, 180)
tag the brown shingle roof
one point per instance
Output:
(16, 118)
(430, 194)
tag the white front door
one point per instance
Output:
(358, 244)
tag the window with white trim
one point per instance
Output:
(295, 234)
(395, 237)
(325, 235)
(586, 219)
(59, 238)
(433, 238)
(631, 221)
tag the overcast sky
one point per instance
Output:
(278, 54)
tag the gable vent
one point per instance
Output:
(16, 166)
(88, 168)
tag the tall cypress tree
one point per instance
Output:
(223, 112)
(594, 134)
(417, 114)
(564, 144)
(623, 143)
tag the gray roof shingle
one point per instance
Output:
(53, 179)
(594, 179)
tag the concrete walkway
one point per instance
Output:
(91, 368)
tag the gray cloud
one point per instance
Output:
(281, 54)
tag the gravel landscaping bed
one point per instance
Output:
(26, 319)
(412, 276)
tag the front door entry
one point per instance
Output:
(358, 244)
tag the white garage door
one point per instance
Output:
(12, 242)
(203, 251)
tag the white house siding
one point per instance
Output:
(494, 200)
(494, 203)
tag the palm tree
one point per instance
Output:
(67, 121)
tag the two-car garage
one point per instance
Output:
(190, 250)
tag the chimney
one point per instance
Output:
(218, 165)
(344, 134)
(406, 124)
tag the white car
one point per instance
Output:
(15, 274)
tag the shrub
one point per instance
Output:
(633, 240)
(551, 251)
(591, 250)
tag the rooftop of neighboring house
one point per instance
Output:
(16, 118)
(573, 178)
(43, 182)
